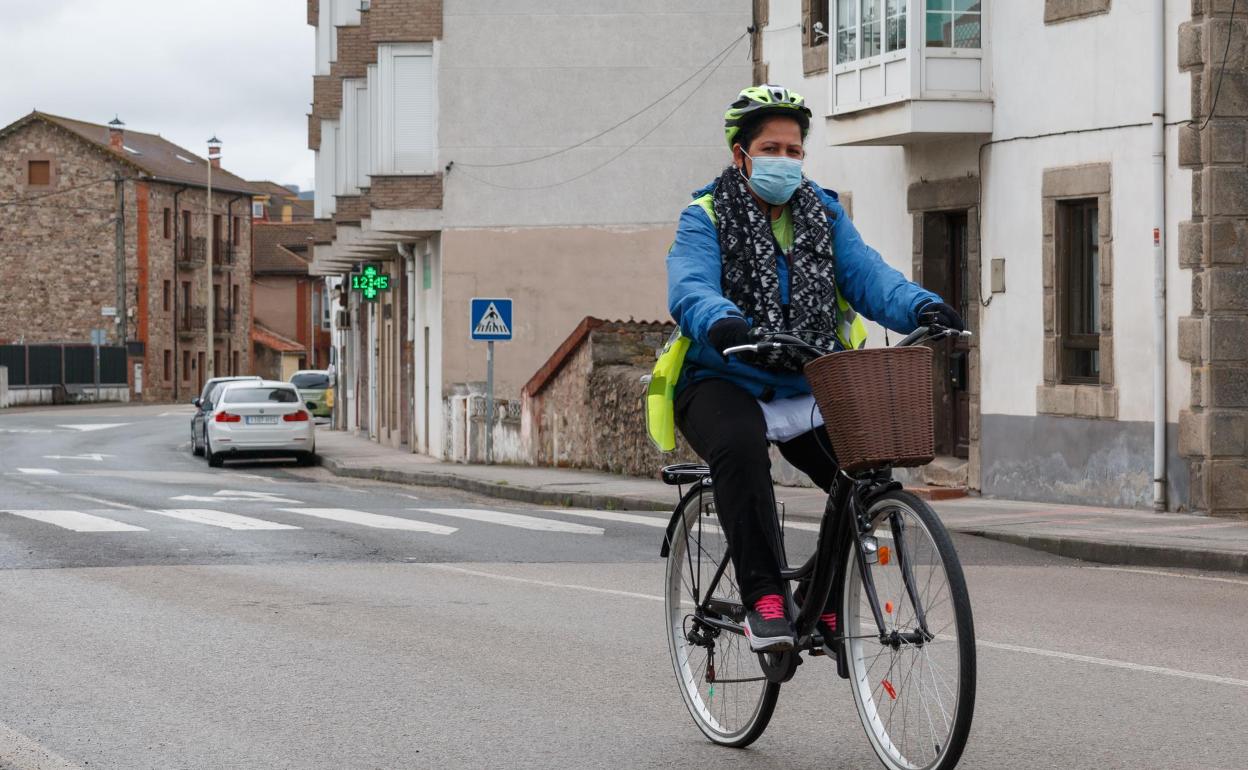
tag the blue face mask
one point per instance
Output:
(774, 179)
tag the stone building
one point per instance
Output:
(1048, 166)
(484, 150)
(63, 182)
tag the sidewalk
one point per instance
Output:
(1105, 535)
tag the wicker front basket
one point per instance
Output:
(877, 405)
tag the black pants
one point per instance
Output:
(725, 426)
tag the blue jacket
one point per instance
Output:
(696, 299)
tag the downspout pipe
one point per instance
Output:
(1159, 254)
(177, 229)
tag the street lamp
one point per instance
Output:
(214, 157)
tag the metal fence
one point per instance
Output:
(49, 365)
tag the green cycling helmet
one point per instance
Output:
(757, 101)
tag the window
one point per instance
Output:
(186, 234)
(1078, 290)
(165, 293)
(257, 210)
(168, 222)
(39, 173)
(186, 365)
(953, 23)
(408, 121)
(867, 28)
(234, 363)
(816, 21)
(186, 304)
(168, 365)
(238, 231)
(234, 299)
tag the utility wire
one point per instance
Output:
(1230, 29)
(722, 56)
(18, 201)
(606, 131)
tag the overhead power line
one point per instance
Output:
(605, 131)
(722, 56)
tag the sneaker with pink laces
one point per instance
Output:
(767, 626)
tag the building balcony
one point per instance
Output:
(192, 320)
(192, 253)
(223, 255)
(223, 321)
(908, 71)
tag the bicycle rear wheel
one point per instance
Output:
(719, 676)
(915, 691)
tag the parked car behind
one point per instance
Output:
(316, 388)
(262, 418)
(206, 397)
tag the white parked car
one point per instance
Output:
(264, 418)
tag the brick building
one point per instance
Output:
(60, 180)
(291, 319)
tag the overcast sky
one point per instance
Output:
(241, 69)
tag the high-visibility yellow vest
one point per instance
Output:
(661, 392)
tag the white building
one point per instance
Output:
(1002, 153)
(521, 149)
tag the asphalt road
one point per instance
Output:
(155, 613)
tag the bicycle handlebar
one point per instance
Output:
(778, 340)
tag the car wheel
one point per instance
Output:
(214, 460)
(306, 459)
(196, 449)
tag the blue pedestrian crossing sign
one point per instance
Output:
(490, 319)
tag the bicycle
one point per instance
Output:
(905, 638)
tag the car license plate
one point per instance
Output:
(262, 420)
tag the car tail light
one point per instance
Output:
(227, 417)
(299, 416)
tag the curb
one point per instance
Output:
(1125, 554)
(502, 491)
(1100, 552)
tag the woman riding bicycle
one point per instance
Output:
(762, 248)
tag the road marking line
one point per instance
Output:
(514, 520)
(95, 426)
(1115, 663)
(627, 518)
(372, 520)
(1173, 574)
(77, 521)
(219, 518)
(94, 457)
(991, 645)
(102, 501)
(40, 471)
(547, 583)
(226, 495)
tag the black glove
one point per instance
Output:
(941, 314)
(727, 332)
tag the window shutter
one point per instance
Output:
(413, 114)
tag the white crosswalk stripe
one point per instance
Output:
(372, 520)
(39, 471)
(515, 520)
(627, 518)
(220, 519)
(76, 521)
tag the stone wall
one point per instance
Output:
(591, 413)
(1213, 434)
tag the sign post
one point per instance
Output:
(97, 339)
(490, 320)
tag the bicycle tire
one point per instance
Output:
(744, 708)
(946, 735)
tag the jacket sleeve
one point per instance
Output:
(872, 287)
(694, 293)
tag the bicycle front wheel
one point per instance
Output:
(719, 676)
(913, 684)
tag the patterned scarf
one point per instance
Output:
(751, 280)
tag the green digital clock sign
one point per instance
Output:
(370, 282)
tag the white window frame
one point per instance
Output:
(386, 54)
(354, 125)
(916, 52)
(325, 204)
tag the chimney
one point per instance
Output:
(116, 134)
(214, 152)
